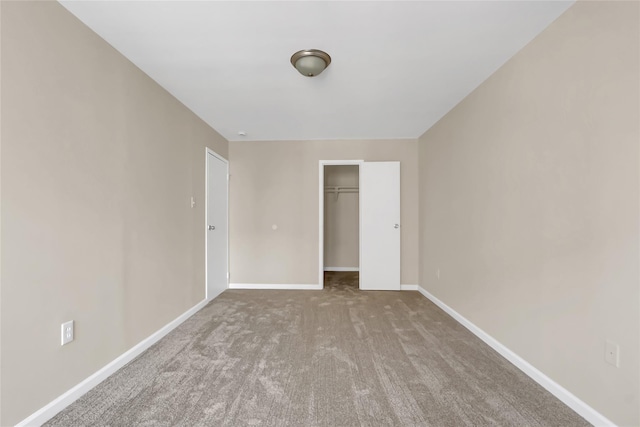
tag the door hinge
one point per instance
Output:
(228, 177)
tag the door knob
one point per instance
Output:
(212, 227)
(396, 226)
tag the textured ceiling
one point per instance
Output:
(397, 67)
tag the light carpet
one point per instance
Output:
(336, 357)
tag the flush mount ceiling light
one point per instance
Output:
(310, 62)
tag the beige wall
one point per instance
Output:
(529, 205)
(98, 166)
(276, 182)
(341, 218)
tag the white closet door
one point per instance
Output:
(380, 226)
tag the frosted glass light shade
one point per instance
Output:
(310, 65)
(310, 62)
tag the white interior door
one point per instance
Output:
(217, 225)
(380, 226)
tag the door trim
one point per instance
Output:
(209, 151)
(321, 165)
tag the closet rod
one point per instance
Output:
(340, 189)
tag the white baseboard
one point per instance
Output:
(47, 412)
(568, 398)
(314, 287)
(341, 269)
(274, 286)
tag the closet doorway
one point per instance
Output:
(341, 218)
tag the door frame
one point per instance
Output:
(321, 165)
(209, 151)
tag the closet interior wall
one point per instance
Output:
(341, 218)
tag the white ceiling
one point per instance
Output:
(397, 67)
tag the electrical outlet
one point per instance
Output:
(612, 353)
(67, 332)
